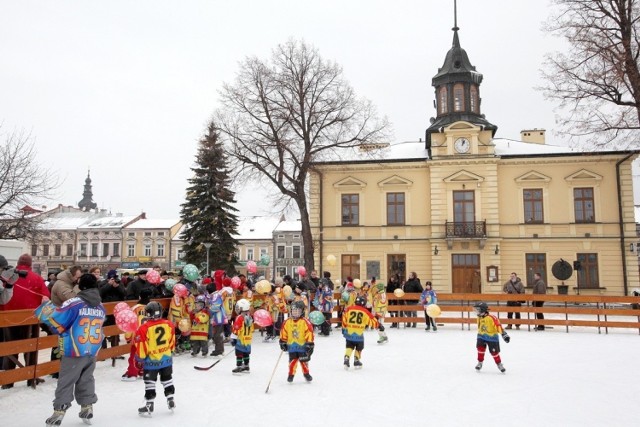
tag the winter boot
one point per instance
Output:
(290, 378)
(86, 413)
(171, 403)
(308, 377)
(428, 328)
(509, 327)
(435, 328)
(357, 364)
(479, 366)
(346, 362)
(147, 409)
(501, 367)
(58, 415)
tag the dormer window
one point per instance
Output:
(442, 96)
(458, 97)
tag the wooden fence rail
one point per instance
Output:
(600, 312)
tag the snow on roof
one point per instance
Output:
(152, 224)
(68, 220)
(512, 147)
(110, 221)
(295, 225)
(256, 227)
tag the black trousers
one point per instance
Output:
(539, 315)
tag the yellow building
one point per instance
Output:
(464, 209)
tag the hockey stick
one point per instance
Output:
(274, 371)
(206, 368)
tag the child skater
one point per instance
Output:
(200, 327)
(427, 298)
(296, 337)
(242, 334)
(354, 320)
(79, 323)
(219, 319)
(380, 306)
(489, 328)
(134, 368)
(155, 342)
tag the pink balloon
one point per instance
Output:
(302, 271)
(127, 321)
(153, 277)
(262, 318)
(252, 267)
(180, 290)
(119, 307)
(235, 282)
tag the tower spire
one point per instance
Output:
(87, 203)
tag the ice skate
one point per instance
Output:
(146, 410)
(171, 404)
(435, 328)
(502, 369)
(479, 366)
(56, 418)
(383, 339)
(357, 364)
(290, 379)
(346, 363)
(308, 377)
(86, 413)
(241, 370)
(127, 378)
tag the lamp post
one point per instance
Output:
(208, 246)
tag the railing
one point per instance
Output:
(471, 229)
(565, 311)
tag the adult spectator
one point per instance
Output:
(126, 279)
(111, 291)
(392, 284)
(513, 286)
(51, 279)
(63, 288)
(8, 278)
(539, 288)
(29, 292)
(412, 286)
(134, 288)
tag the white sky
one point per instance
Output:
(126, 88)
(419, 378)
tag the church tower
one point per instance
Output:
(457, 92)
(87, 203)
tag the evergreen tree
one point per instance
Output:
(208, 212)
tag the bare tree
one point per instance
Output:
(597, 81)
(22, 182)
(280, 116)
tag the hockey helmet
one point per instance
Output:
(482, 309)
(201, 302)
(153, 310)
(297, 309)
(242, 306)
(361, 301)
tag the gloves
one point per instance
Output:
(234, 342)
(283, 346)
(506, 337)
(381, 328)
(310, 346)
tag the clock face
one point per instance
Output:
(462, 145)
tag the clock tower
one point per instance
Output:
(459, 127)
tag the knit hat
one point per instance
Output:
(25, 259)
(3, 262)
(112, 273)
(88, 281)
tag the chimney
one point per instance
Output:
(535, 136)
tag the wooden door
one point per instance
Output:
(464, 273)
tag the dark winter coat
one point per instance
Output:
(134, 288)
(539, 287)
(110, 293)
(412, 286)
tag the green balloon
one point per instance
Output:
(316, 317)
(191, 272)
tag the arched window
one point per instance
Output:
(458, 97)
(473, 99)
(442, 101)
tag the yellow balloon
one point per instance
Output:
(263, 287)
(184, 325)
(433, 310)
(399, 293)
(357, 283)
(331, 260)
(286, 290)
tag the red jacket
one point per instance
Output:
(27, 291)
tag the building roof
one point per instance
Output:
(111, 221)
(69, 220)
(256, 227)
(294, 225)
(146, 224)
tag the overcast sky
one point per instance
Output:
(126, 88)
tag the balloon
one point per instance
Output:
(235, 282)
(286, 290)
(263, 287)
(302, 271)
(127, 321)
(316, 317)
(184, 325)
(433, 310)
(120, 307)
(190, 272)
(331, 260)
(357, 283)
(180, 290)
(262, 318)
(399, 293)
(252, 267)
(345, 296)
(169, 284)
(153, 277)
(265, 259)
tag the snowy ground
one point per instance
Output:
(419, 378)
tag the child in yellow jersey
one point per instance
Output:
(296, 337)
(354, 320)
(489, 330)
(379, 304)
(134, 369)
(200, 327)
(155, 342)
(180, 307)
(242, 335)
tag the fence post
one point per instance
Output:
(566, 316)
